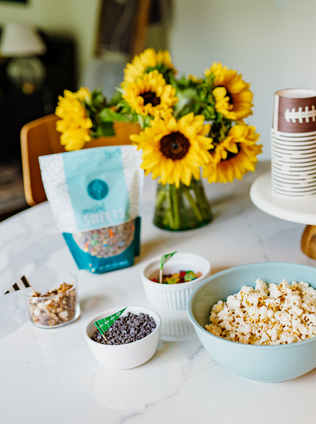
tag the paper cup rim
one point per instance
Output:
(294, 142)
(287, 194)
(293, 147)
(292, 177)
(294, 152)
(293, 158)
(290, 173)
(287, 134)
(294, 183)
(289, 90)
(295, 189)
(300, 169)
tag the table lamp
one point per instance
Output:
(22, 42)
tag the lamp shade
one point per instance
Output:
(20, 40)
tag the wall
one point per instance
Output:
(271, 42)
(77, 18)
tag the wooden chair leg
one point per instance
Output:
(308, 241)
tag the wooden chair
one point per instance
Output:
(40, 137)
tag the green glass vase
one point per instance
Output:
(183, 208)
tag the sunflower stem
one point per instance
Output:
(161, 195)
(192, 203)
(170, 214)
(174, 205)
(201, 201)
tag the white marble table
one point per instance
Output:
(50, 376)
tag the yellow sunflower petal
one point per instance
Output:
(149, 59)
(150, 95)
(233, 97)
(174, 150)
(234, 156)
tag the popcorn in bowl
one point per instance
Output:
(267, 315)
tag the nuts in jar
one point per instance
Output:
(57, 306)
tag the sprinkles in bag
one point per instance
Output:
(95, 196)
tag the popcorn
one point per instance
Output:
(267, 315)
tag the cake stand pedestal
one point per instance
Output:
(295, 209)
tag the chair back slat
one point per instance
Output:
(40, 137)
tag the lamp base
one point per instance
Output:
(27, 73)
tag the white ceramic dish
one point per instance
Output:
(173, 296)
(128, 355)
(175, 326)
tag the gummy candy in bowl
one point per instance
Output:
(264, 363)
(175, 294)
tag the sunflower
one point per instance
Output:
(234, 156)
(174, 150)
(233, 98)
(74, 123)
(150, 95)
(147, 62)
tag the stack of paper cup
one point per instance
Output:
(293, 142)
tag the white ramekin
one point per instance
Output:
(129, 355)
(174, 296)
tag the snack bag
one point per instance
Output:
(95, 196)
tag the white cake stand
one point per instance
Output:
(295, 209)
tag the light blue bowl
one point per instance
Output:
(269, 364)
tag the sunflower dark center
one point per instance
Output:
(232, 155)
(231, 101)
(174, 146)
(150, 97)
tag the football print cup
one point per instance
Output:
(295, 111)
(293, 142)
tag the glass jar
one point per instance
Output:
(57, 303)
(182, 208)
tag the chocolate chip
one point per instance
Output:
(127, 329)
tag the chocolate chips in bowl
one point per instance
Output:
(127, 329)
(131, 341)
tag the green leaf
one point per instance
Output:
(108, 115)
(104, 129)
(116, 98)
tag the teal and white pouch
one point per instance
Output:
(95, 196)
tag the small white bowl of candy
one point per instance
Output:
(131, 341)
(181, 275)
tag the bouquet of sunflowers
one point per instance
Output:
(187, 124)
